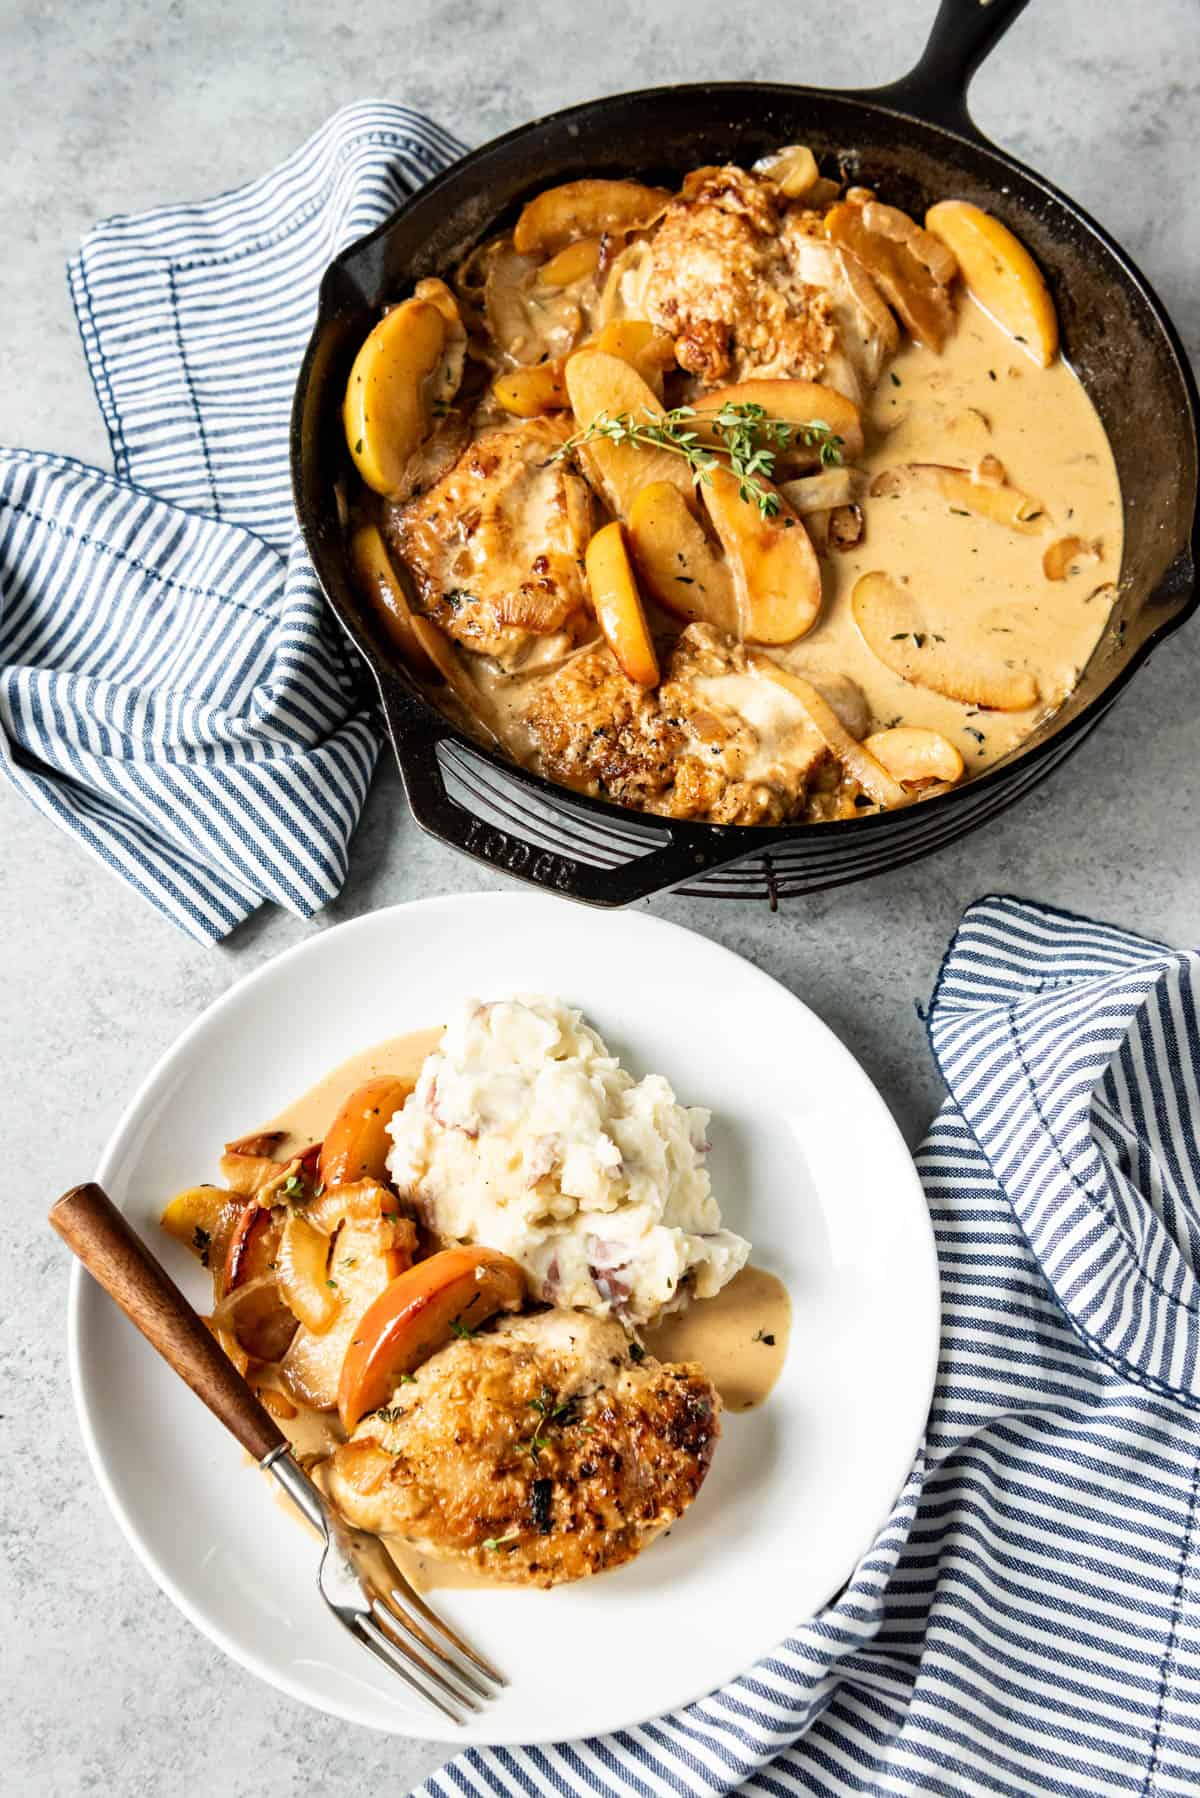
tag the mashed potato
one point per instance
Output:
(526, 1135)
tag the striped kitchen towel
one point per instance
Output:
(1028, 1622)
(172, 690)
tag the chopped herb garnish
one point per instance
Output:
(554, 1413)
(636, 1352)
(201, 1242)
(899, 636)
(977, 734)
(918, 638)
(685, 580)
(764, 1336)
(896, 382)
(294, 1190)
(332, 1284)
(507, 1543)
(459, 1328)
(747, 436)
(991, 374)
(358, 445)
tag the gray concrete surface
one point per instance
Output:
(109, 107)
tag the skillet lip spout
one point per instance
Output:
(682, 851)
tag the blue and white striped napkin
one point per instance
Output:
(172, 691)
(1028, 1622)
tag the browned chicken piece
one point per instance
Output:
(495, 547)
(751, 288)
(713, 742)
(722, 285)
(537, 1453)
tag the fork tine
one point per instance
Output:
(449, 1681)
(390, 1613)
(412, 1598)
(394, 1667)
(395, 1641)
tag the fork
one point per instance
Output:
(359, 1581)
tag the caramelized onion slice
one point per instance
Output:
(959, 487)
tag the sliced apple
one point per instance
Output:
(776, 575)
(579, 260)
(1000, 275)
(641, 344)
(357, 1144)
(380, 585)
(585, 209)
(604, 386)
(302, 1263)
(896, 629)
(397, 377)
(454, 1291)
(987, 498)
(793, 169)
(618, 605)
(528, 392)
(203, 1219)
(679, 564)
(363, 1201)
(858, 762)
(363, 1261)
(915, 756)
(803, 404)
(251, 1305)
(248, 1174)
(905, 280)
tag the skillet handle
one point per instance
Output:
(683, 856)
(935, 90)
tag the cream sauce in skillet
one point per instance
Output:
(982, 396)
(981, 583)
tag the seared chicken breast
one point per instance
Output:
(750, 289)
(713, 741)
(538, 1453)
(495, 547)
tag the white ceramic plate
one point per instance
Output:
(806, 1161)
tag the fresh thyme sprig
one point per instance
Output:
(746, 434)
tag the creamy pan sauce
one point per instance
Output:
(892, 389)
(980, 397)
(740, 1337)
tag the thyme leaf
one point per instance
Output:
(746, 436)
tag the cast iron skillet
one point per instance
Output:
(915, 142)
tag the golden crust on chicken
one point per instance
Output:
(495, 547)
(712, 742)
(721, 284)
(538, 1453)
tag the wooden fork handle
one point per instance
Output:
(117, 1259)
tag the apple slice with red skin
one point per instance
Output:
(262, 1323)
(366, 1255)
(452, 1292)
(357, 1143)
